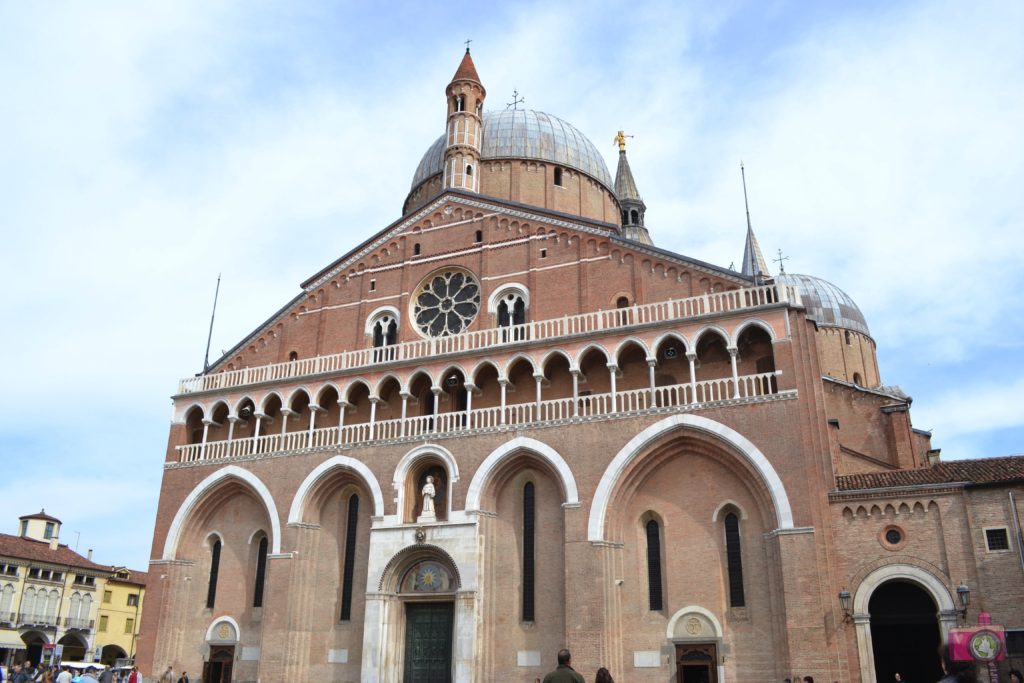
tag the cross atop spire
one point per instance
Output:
(779, 260)
(517, 99)
(468, 41)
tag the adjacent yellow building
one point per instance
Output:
(54, 600)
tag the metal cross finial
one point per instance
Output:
(782, 267)
(516, 100)
(468, 41)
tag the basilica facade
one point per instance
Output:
(677, 470)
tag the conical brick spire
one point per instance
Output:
(466, 70)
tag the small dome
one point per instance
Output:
(826, 303)
(526, 134)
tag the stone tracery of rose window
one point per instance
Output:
(446, 303)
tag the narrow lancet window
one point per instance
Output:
(528, 551)
(261, 573)
(211, 592)
(352, 523)
(733, 559)
(655, 601)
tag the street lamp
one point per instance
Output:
(964, 594)
(844, 602)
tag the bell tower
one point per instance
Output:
(633, 207)
(465, 127)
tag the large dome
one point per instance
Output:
(826, 303)
(526, 134)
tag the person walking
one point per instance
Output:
(564, 673)
(183, 678)
(64, 676)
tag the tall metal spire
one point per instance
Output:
(753, 260)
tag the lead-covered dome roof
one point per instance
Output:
(526, 134)
(826, 303)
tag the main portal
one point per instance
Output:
(428, 642)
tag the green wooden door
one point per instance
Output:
(428, 642)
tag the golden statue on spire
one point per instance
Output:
(620, 140)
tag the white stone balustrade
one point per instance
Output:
(554, 411)
(552, 329)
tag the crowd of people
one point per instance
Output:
(25, 672)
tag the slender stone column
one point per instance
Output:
(504, 383)
(651, 363)
(733, 352)
(342, 406)
(373, 415)
(692, 357)
(613, 370)
(575, 392)
(405, 408)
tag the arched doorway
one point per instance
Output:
(413, 618)
(112, 653)
(905, 633)
(34, 641)
(74, 648)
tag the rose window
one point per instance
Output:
(447, 303)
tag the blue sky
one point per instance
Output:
(150, 146)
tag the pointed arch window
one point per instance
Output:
(460, 103)
(655, 593)
(211, 591)
(529, 569)
(734, 560)
(261, 573)
(349, 567)
(385, 335)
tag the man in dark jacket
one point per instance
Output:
(564, 673)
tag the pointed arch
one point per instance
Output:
(552, 354)
(678, 336)
(241, 402)
(491, 463)
(320, 471)
(207, 485)
(748, 323)
(295, 393)
(592, 346)
(262, 405)
(319, 393)
(635, 341)
(712, 329)
(419, 372)
(382, 381)
(736, 441)
(482, 365)
(351, 386)
(515, 359)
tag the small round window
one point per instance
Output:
(893, 537)
(446, 303)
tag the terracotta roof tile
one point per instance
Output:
(467, 70)
(983, 471)
(39, 551)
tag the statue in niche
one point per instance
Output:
(431, 504)
(428, 497)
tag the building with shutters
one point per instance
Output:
(677, 470)
(50, 595)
